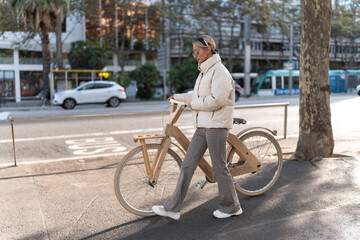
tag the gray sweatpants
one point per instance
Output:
(215, 140)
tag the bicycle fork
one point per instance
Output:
(153, 170)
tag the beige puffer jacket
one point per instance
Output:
(213, 98)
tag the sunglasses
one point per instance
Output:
(195, 54)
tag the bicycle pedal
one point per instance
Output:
(230, 165)
(201, 185)
(237, 164)
(241, 162)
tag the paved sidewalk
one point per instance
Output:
(76, 200)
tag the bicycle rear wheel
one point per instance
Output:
(132, 185)
(268, 151)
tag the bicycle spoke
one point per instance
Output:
(266, 149)
(132, 187)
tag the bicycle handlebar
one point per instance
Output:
(178, 102)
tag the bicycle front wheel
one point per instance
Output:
(132, 184)
(268, 151)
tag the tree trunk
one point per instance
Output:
(121, 58)
(59, 21)
(45, 59)
(315, 130)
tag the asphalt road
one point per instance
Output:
(46, 141)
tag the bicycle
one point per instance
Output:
(148, 174)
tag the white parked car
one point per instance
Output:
(358, 89)
(107, 92)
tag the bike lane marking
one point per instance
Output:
(90, 146)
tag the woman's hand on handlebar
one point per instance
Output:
(169, 98)
(172, 97)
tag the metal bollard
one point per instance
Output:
(13, 139)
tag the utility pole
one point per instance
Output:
(164, 52)
(100, 17)
(163, 65)
(291, 59)
(116, 27)
(83, 21)
(247, 57)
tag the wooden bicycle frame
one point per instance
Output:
(248, 163)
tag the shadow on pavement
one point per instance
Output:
(306, 203)
(51, 172)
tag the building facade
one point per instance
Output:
(21, 63)
(132, 36)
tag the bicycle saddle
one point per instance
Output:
(239, 121)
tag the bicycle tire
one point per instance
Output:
(131, 184)
(267, 149)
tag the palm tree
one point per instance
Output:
(40, 16)
(61, 9)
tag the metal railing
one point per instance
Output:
(284, 104)
(12, 121)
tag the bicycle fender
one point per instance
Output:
(273, 132)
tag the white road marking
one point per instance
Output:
(89, 134)
(4, 115)
(90, 146)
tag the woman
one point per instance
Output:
(212, 103)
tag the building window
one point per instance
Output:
(134, 59)
(6, 56)
(176, 43)
(30, 82)
(273, 46)
(267, 83)
(151, 57)
(257, 46)
(278, 82)
(295, 82)
(7, 84)
(286, 82)
(30, 57)
(332, 49)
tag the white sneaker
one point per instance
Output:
(219, 214)
(160, 210)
